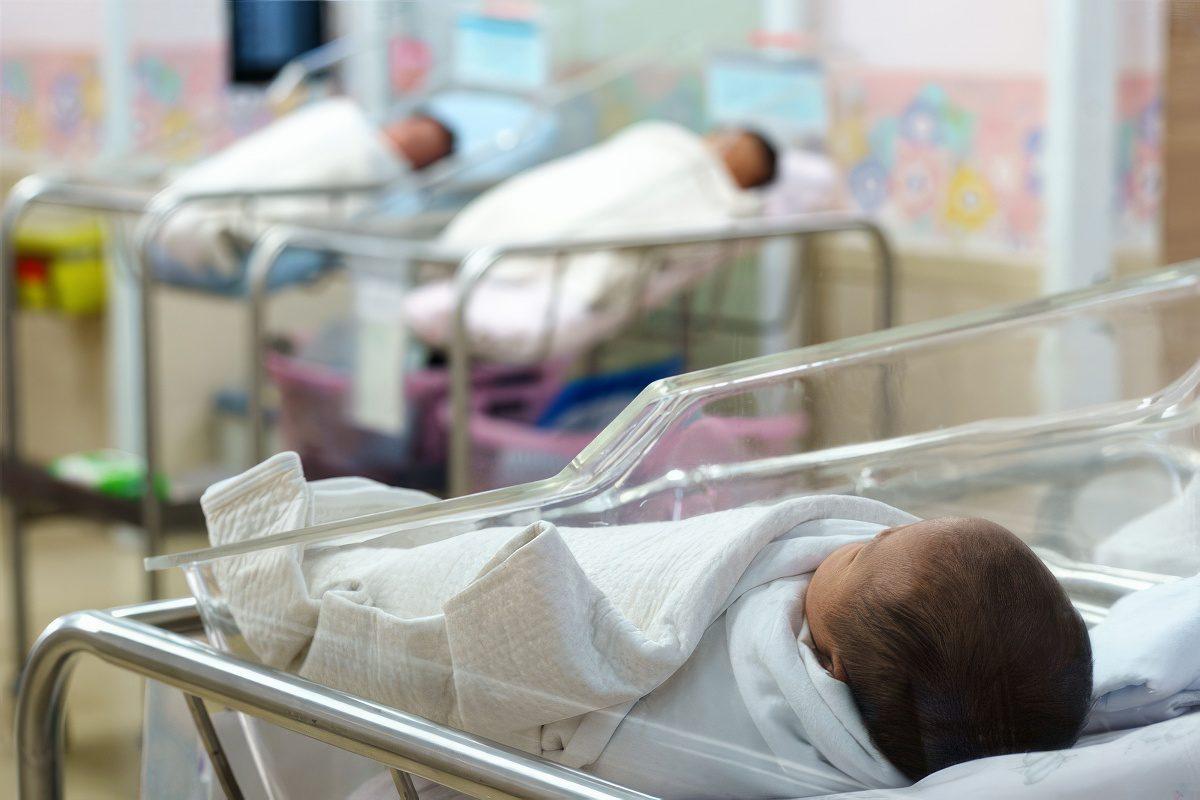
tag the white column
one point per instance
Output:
(1080, 365)
(116, 70)
(1080, 163)
(788, 16)
(777, 257)
(368, 24)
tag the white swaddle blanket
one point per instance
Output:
(329, 142)
(543, 637)
(1147, 657)
(653, 176)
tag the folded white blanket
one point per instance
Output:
(1165, 540)
(1147, 657)
(544, 638)
(509, 322)
(329, 142)
(653, 176)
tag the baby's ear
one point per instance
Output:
(837, 669)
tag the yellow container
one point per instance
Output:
(77, 284)
(74, 256)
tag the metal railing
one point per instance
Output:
(147, 640)
(475, 266)
(37, 190)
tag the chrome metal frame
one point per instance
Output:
(147, 640)
(38, 190)
(475, 266)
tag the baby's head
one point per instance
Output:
(749, 156)
(420, 139)
(956, 642)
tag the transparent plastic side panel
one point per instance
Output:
(1072, 422)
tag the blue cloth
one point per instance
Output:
(476, 117)
(587, 403)
(294, 267)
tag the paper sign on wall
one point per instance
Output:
(377, 399)
(786, 95)
(506, 53)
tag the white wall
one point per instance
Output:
(168, 22)
(1142, 26)
(65, 24)
(999, 36)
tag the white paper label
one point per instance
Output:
(377, 399)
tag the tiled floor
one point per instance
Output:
(77, 566)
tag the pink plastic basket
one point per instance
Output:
(314, 419)
(509, 451)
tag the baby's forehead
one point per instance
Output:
(956, 542)
(977, 530)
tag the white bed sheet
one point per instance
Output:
(1158, 761)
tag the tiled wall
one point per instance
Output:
(958, 160)
(51, 102)
(948, 156)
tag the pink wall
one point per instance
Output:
(940, 109)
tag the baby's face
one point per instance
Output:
(879, 562)
(742, 154)
(419, 140)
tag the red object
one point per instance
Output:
(781, 40)
(33, 269)
(410, 61)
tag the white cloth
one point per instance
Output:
(543, 638)
(329, 142)
(1147, 657)
(1165, 540)
(807, 182)
(653, 176)
(1161, 760)
(508, 321)
(1157, 761)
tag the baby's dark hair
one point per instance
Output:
(979, 654)
(770, 156)
(447, 131)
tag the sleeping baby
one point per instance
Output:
(819, 645)
(956, 642)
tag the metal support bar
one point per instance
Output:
(479, 263)
(39, 190)
(263, 258)
(404, 785)
(23, 196)
(152, 502)
(212, 746)
(128, 639)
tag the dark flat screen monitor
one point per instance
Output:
(267, 34)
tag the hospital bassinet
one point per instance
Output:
(1066, 419)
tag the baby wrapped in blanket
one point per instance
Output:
(757, 652)
(650, 178)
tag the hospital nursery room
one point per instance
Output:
(600, 399)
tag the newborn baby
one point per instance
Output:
(956, 642)
(818, 645)
(650, 178)
(330, 142)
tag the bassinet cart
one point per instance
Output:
(974, 425)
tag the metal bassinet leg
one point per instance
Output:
(404, 785)
(212, 746)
